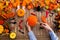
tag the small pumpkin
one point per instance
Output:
(20, 12)
(29, 7)
(12, 35)
(32, 20)
(43, 18)
(1, 29)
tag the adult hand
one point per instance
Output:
(46, 26)
(28, 27)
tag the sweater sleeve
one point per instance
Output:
(53, 36)
(31, 36)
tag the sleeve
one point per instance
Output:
(53, 36)
(31, 36)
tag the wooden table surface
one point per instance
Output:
(41, 34)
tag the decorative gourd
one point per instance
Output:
(1, 22)
(42, 4)
(28, 1)
(6, 31)
(43, 18)
(53, 1)
(24, 3)
(51, 6)
(55, 6)
(46, 7)
(12, 35)
(18, 2)
(20, 12)
(12, 1)
(32, 20)
(4, 16)
(1, 6)
(1, 29)
(7, 3)
(9, 15)
(15, 4)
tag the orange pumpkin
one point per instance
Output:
(29, 7)
(32, 20)
(20, 12)
(43, 18)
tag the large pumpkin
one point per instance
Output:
(32, 20)
(20, 12)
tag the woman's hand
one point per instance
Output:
(46, 26)
(28, 27)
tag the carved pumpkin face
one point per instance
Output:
(32, 20)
